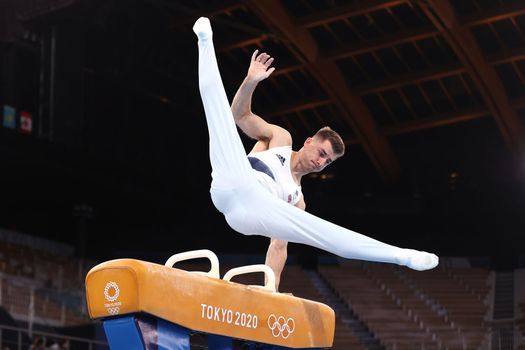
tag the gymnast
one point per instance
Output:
(260, 194)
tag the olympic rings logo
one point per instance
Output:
(116, 291)
(113, 310)
(281, 326)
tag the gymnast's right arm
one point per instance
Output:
(251, 124)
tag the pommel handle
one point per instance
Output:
(195, 254)
(269, 274)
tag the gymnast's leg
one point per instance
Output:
(230, 167)
(258, 212)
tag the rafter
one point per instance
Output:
(507, 11)
(506, 57)
(287, 70)
(518, 103)
(275, 16)
(180, 18)
(354, 111)
(445, 119)
(433, 122)
(501, 12)
(462, 41)
(413, 78)
(354, 9)
(384, 42)
(440, 120)
(240, 44)
(298, 107)
(432, 74)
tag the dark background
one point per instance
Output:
(117, 161)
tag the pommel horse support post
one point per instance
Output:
(144, 305)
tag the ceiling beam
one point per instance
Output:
(501, 12)
(507, 56)
(433, 122)
(341, 12)
(288, 70)
(518, 103)
(352, 108)
(462, 41)
(231, 45)
(182, 15)
(512, 10)
(445, 119)
(411, 78)
(273, 14)
(296, 106)
(384, 42)
(433, 74)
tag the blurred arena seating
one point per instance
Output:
(406, 309)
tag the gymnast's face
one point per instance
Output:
(318, 154)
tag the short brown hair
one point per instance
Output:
(327, 133)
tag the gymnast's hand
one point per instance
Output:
(260, 66)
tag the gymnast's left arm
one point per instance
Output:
(278, 252)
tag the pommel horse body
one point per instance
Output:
(144, 305)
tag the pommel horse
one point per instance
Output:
(144, 305)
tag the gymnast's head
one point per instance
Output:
(323, 148)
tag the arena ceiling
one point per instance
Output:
(428, 95)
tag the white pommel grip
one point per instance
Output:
(269, 274)
(195, 254)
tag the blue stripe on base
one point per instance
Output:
(123, 334)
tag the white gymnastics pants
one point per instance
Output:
(247, 206)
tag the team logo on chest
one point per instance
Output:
(281, 158)
(293, 197)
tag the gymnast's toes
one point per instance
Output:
(202, 28)
(421, 261)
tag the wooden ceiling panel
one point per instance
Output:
(459, 93)
(437, 52)
(397, 104)
(412, 78)
(388, 41)
(346, 10)
(343, 32)
(372, 68)
(365, 27)
(308, 85)
(354, 74)
(472, 88)
(412, 56)
(496, 13)
(465, 7)
(302, 106)
(520, 23)
(329, 114)
(382, 115)
(324, 37)
(438, 96)
(392, 61)
(287, 88)
(411, 16)
(460, 38)
(386, 21)
(388, 52)
(511, 81)
(520, 68)
(508, 33)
